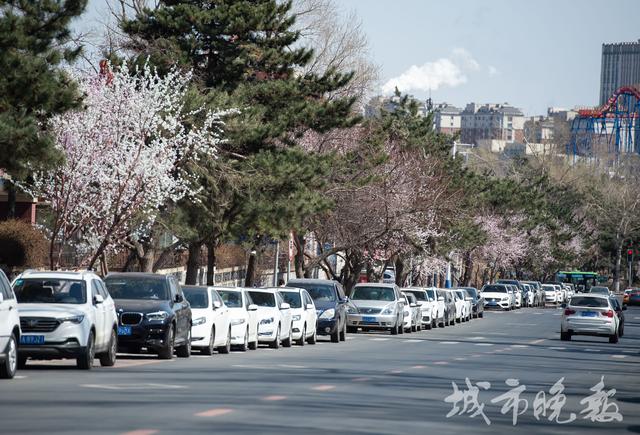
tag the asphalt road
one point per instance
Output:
(373, 384)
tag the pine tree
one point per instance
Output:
(33, 87)
(244, 54)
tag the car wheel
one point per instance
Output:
(227, 346)
(481, 315)
(343, 332)
(184, 351)
(212, 339)
(565, 336)
(288, 341)
(166, 352)
(10, 365)
(275, 344)
(428, 326)
(245, 344)
(400, 327)
(108, 359)
(303, 337)
(85, 361)
(621, 331)
(22, 361)
(335, 337)
(352, 329)
(254, 344)
(613, 338)
(314, 338)
(395, 328)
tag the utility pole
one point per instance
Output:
(630, 266)
(275, 265)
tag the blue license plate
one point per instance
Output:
(589, 314)
(32, 339)
(369, 319)
(124, 330)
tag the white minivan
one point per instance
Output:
(66, 315)
(9, 329)
(275, 325)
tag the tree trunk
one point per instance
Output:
(211, 261)
(298, 259)
(146, 261)
(400, 274)
(616, 272)
(193, 263)
(468, 269)
(250, 279)
(11, 199)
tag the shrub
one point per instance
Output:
(22, 246)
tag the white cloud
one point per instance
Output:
(493, 71)
(447, 71)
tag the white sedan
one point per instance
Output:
(243, 318)
(276, 322)
(211, 324)
(550, 295)
(303, 315)
(465, 300)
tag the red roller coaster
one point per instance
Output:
(613, 128)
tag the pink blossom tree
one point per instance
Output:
(124, 155)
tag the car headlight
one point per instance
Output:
(199, 321)
(296, 317)
(328, 314)
(158, 316)
(74, 319)
(388, 310)
(235, 322)
(352, 310)
(266, 321)
(505, 299)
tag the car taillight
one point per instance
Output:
(569, 312)
(608, 313)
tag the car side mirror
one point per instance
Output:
(217, 304)
(179, 298)
(252, 307)
(563, 305)
(413, 305)
(440, 298)
(311, 307)
(419, 304)
(469, 298)
(285, 306)
(98, 299)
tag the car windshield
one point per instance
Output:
(50, 291)
(495, 289)
(231, 299)
(263, 299)
(373, 294)
(137, 288)
(586, 301)
(292, 298)
(432, 294)
(547, 287)
(318, 292)
(599, 290)
(471, 292)
(198, 297)
(419, 295)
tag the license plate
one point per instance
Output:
(124, 330)
(369, 319)
(32, 339)
(589, 314)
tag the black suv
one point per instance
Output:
(152, 313)
(331, 306)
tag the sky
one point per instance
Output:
(532, 54)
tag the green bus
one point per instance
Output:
(581, 280)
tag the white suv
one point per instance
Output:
(9, 329)
(66, 315)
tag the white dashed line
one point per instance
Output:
(441, 363)
(618, 356)
(449, 342)
(624, 351)
(519, 345)
(476, 338)
(378, 339)
(412, 341)
(483, 344)
(537, 341)
(557, 348)
(591, 350)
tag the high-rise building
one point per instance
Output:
(620, 67)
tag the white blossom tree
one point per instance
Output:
(124, 155)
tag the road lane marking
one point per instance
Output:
(483, 344)
(324, 387)
(413, 340)
(214, 412)
(537, 341)
(141, 432)
(396, 372)
(558, 348)
(591, 350)
(476, 338)
(134, 386)
(618, 356)
(519, 345)
(449, 342)
(291, 366)
(360, 379)
(378, 339)
(624, 351)
(20, 377)
(460, 359)
(476, 355)
(274, 398)
(441, 363)
(419, 367)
